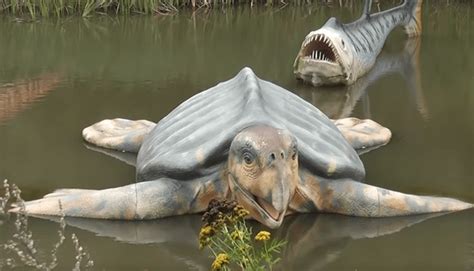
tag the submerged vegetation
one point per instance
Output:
(22, 250)
(230, 240)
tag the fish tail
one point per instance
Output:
(413, 26)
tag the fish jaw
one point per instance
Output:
(325, 58)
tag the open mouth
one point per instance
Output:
(261, 204)
(267, 208)
(319, 48)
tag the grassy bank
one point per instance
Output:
(58, 8)
(61, 8)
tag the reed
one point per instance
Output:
(60, 8)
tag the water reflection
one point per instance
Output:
(339, 102)
(126, 157)
(314, 240)
(21, 94)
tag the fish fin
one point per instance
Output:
(353, 198)
(367, 7)
(413, 27)
(363, 135)
(118, 134)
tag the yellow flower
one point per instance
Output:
(262, 236)
(240, 211)
(204, 235)
(221, 260)
(237, 235)
(206, 231)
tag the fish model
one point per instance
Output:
(341, 53)
(338, 102)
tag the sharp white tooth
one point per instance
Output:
(313, 55)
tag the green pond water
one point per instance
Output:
(57, 77)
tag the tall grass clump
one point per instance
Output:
(59, 8)
(22, 251)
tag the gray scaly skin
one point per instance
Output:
(245, 139)
(341, 53)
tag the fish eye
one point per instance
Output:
(343, 44)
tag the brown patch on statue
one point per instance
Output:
(311, 195)
(395, 203)
(130, 214)
(205, 195)
(299, 202)
(138, 140)
(212, 189)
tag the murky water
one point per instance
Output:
(57, 77)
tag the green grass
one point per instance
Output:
(59, 8)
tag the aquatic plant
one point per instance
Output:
(229, 238)
(22, 249)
